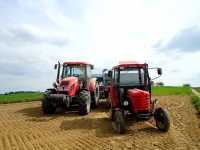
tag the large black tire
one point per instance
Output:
(95, 98)
(85, 102)
(162, 119)
(47, 107)
(119, 122)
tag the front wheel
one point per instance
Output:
(47, 107)
(162, 119)
(85, 101)
(119, 122)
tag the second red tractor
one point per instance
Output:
(130, 93)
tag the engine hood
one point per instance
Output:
(68, 81)
(137, 93)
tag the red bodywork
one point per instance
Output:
(114, 97)
(126, 65)
(76, 63)
(70, 84)
(139, 99)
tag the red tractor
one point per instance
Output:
(73, 87)
(130, 92)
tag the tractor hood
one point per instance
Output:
(140, 100)
(67, 83)
(137, 93)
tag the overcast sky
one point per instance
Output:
(35, 34)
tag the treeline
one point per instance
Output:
(17, 92)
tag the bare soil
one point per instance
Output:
(24, 127)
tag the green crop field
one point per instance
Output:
(196, 102)
(20, 97)
(168, 90)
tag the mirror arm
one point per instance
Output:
(156, 77)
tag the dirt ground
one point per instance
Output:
(24, 127)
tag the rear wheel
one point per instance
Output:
(119, 123)
(47, 107)
(85, 101)
(162, 119)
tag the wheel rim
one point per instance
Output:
(88, 104)
(88, 107)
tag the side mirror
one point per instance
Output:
(110, 73)
(92, 67)
(104, 70)
(159, 71)
(55, 66)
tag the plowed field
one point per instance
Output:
(24, 127)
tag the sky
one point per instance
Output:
(35, 34)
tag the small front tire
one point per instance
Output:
(162, 119)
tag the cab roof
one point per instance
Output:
(129, 64)
(76, 63)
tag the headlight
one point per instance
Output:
(125, 103)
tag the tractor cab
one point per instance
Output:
(77, 69)
(128, 76)
(132, 75)
(80, 70)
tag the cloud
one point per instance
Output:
(186, 40)
(30, 34)
(35, 34)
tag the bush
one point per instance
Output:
(159, 84)
(186, 85)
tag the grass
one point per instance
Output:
(196, 102)
(20, 97)
(169, 90)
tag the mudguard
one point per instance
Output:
(92, 84)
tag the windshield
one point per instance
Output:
(73, 70)
(132, 76)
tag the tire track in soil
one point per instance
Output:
(24, 127)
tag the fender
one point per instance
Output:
(92, 84)
(114, 97)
